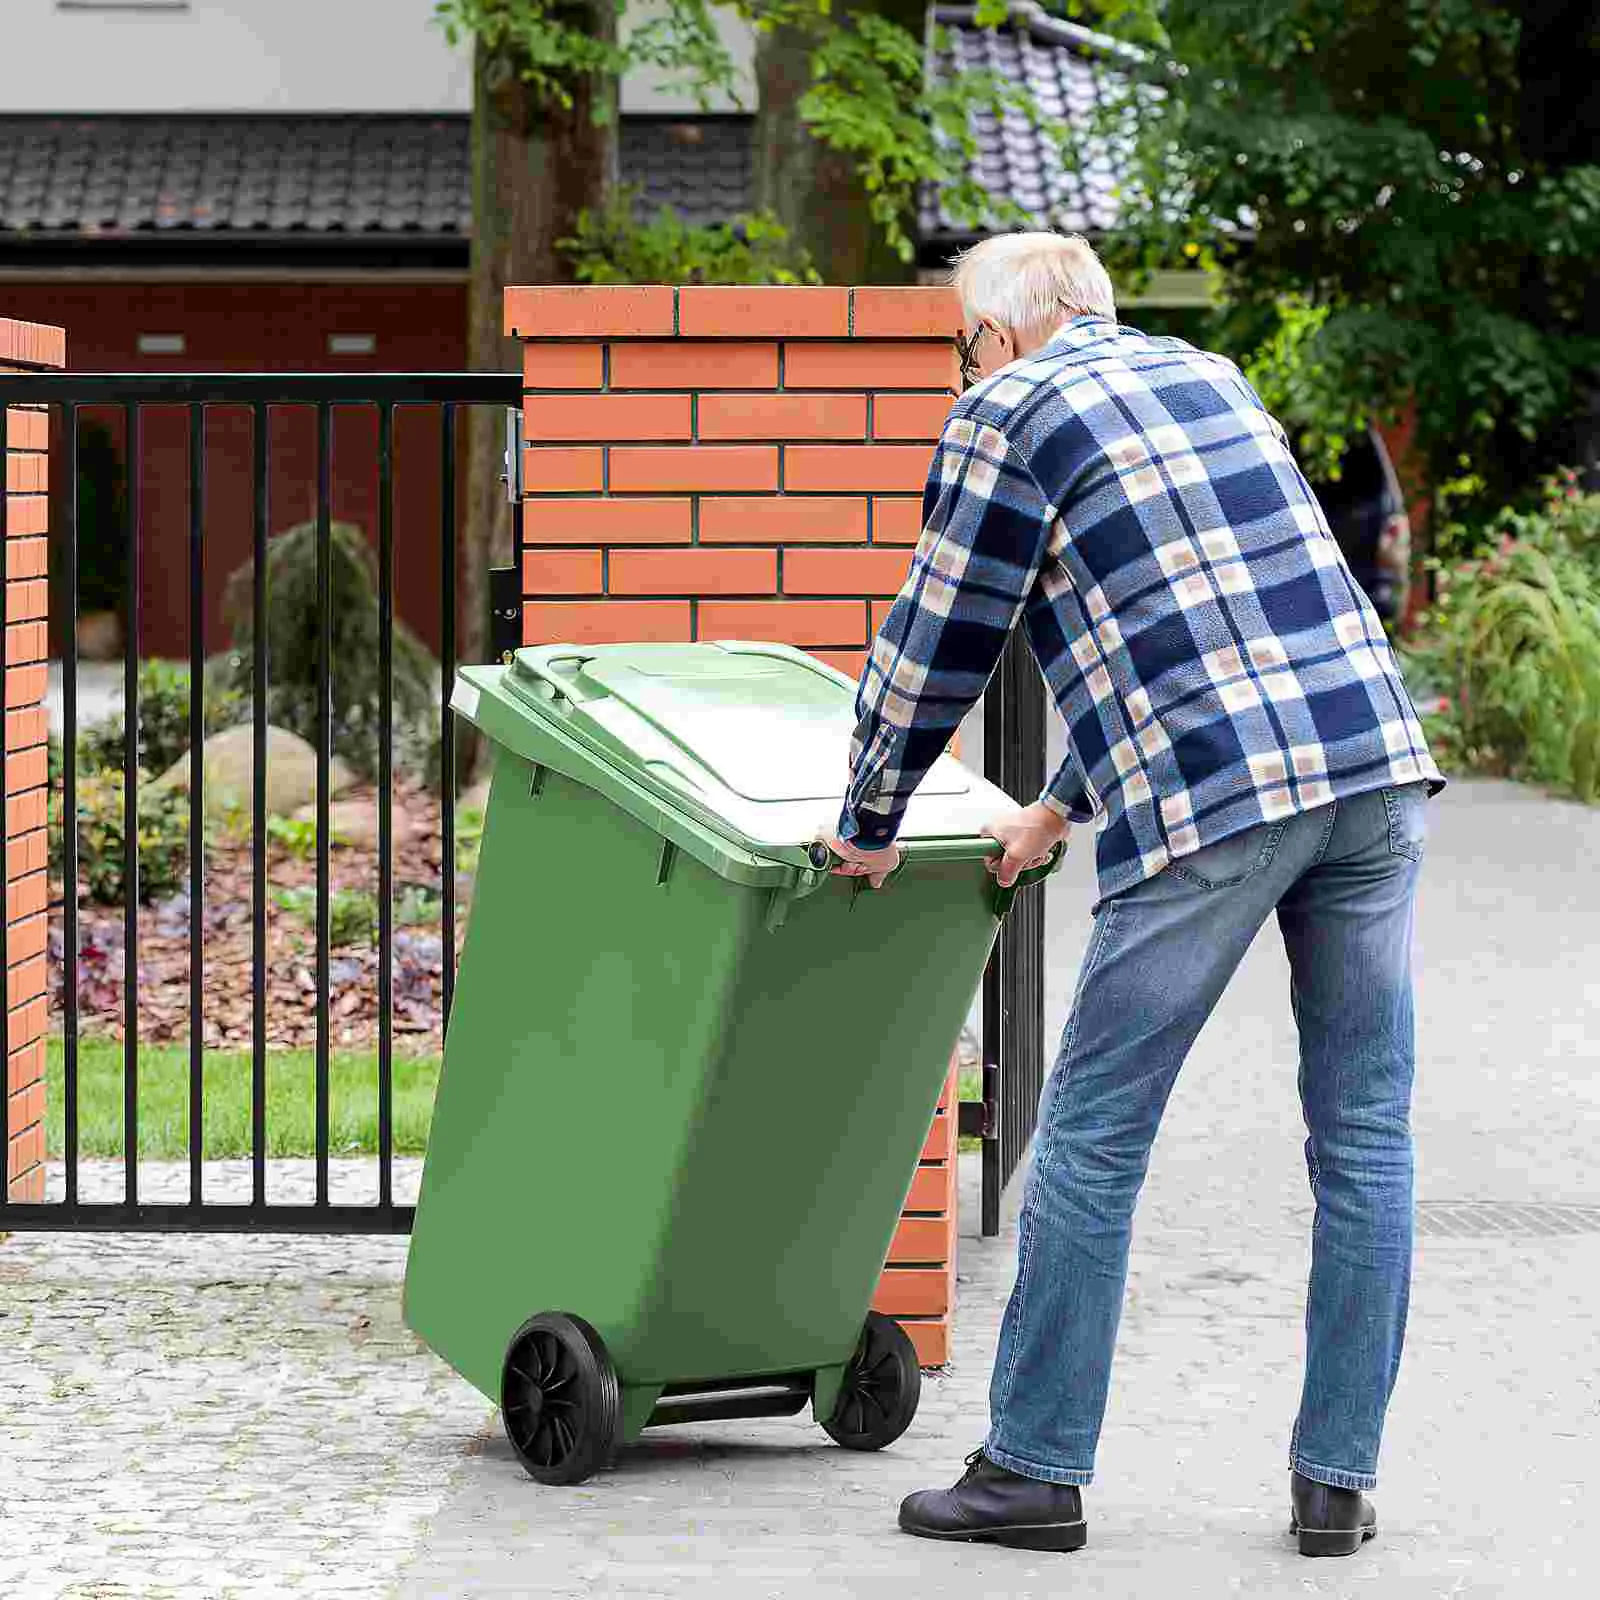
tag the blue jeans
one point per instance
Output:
(1342, 880)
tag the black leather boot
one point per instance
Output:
(1329, 1521)
(999, 1507)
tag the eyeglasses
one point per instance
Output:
(967, 352)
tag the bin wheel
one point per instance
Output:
(881, 1388)
(559, 1398)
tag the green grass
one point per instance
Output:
(970, 1087)
(291, 1077)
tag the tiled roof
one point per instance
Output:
(1072, 73)
(389, 179)
(700, 166)
(265, 176)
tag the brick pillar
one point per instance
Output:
(26, 348)
(742, 463)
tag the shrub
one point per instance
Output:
(352, 913)
(163, 718)
(293, 627)
(612, 245)
(1513, 641)
(163, 839)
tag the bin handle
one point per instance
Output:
(824, 860)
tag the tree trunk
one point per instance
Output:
(535, 166)
(812, 189)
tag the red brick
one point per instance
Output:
(589, 311)
(32, 344)
(784, 519)
(849, 662)
(783, 416)
(27, 558)
(694, 467)
(878, 610)
(897, 521)
(562, 366)
(932, 1188)
(605, 622)
(26, 851)
(940, 1143)
(629, 521)
(774, 311)
(27, 1106)
(24, 1158)
(25, 981)
(561, 572)
(26, 642)
(803, 622)
(694, 572)
(833, 467)
(27, 474)
(843, 571)
(909, 416)
(913, 1291)
(921, 1239)
(906, 312)
(604, 417)
(931, 1339)
(694, 364)
(24, 812)
(27, 939)
(869, 364)
(27, 600)
(26, 897)
(27, 430)
(551, 468)
(27, 1063)
(27, 515)
(30, 1022)
(27, 727)
(25, 685)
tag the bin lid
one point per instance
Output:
(753, 737)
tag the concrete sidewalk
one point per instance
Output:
(198, 1417)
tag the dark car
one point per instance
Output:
(1367, 514)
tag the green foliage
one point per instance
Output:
(164, 688)
(1388, 164)
(417, 905)
(549, 43)
(296, 836)
(163, 839)
(612, 245)
(352, 913)
(293, 627)
(1513, 640)
(469, 839)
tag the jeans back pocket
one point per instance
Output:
(1408, 823)
(1230, 861)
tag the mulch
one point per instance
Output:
(291, 986)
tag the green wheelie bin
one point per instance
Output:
(688, 1073)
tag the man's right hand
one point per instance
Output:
(1029, 835)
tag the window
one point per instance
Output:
(351, 344)
(122, 5)
(161, 344)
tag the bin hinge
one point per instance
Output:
(980, 1119)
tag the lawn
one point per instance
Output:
(291, 1076)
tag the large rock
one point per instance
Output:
(230, 772)
(355, 822)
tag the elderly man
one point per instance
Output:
(1238, 730)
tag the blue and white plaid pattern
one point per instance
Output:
(1217, 666)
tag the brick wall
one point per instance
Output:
(25, 347)
(714, 463)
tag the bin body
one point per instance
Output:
(684, 1107)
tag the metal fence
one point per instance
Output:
(67, 395)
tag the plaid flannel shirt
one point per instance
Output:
(1131, 501)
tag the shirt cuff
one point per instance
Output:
(1078, 810)
(866, 831)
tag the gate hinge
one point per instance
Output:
(505, 613)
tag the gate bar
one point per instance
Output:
(69, 814)
(197, 796)
(324, 778)
(385, 805)
(258, 813)
(134, 436)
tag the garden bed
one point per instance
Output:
(291, 961)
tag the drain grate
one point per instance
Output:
(1480, 1219)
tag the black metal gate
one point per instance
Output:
(1013, 983)
(258, 395)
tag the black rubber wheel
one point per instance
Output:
(882, 1386)
(559, 1398)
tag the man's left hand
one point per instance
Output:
(873, 865)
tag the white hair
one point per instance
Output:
(1032, 282)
